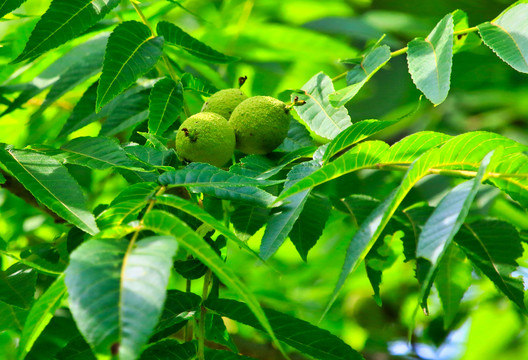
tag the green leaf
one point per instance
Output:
(493, 246)
(11, 317)
(516, 187)
(179, 307)
(6, 6)
(127, 205)
(452, 281)
(410, 147)
(17, 285)
(170, 349)
(76, 349)
(430, 61)
(130, 112)
(131, 51)
(299, 334)
(467, 41)
(320, 116)
(176, 36)
(216, 331)
(127, 287)
(354, 134)
(284, 217)
(506, 36)
(64, 20)
(247, 220)
(364, 155)
(210, 180)
(193, 83)
(298, 137)
(97, 153)
(361, 74)
(165, 105)
(211, 354)
(442, 226)
(51, 184)
(310, 224)
(203, 216)
(168, 224)
(40, 315)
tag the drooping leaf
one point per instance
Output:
(51, 184)
(506, 36)
(442, 226)
(168, 224)
(452, 281)
(40, 315)
(493, 247)
(176, 36)
(127, 205)
(193, 83)
(17, 285)
(97, 153)
(199, 177)
(430, 61)
(297, 333)
(284, 217)
(202, 215)
(165, 105)
(64, 20)
(360, 157)
(127, 287)
(361, 74)
(131, 51)
(320, 116)
(9, 5)
(310, 224)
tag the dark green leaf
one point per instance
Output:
(297, 333)
(17, 285)
(430, 61)
(179, 307)
(493, 247)
(467, 41)
(127, 287)
(6, 6)
(11, 317)
(63, 21)
(170, 349)
(51, 184)
(193, 83)
(165, 105)
(247, 220)
(131, 51)
(176, 36)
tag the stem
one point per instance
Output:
(203, 311)
(405, 49)
(186, 332)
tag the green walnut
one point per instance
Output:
(206, 137)
(224, 102)
(261, 124)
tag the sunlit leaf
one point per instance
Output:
(506, 36)
(131, 51)
(63, 21)
(194, 83)
(51, 184)
(430, 61)
(320, 116)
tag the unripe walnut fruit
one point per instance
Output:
(206, 137)
(261, 124)
(224, 102)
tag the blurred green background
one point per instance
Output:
(281, 45)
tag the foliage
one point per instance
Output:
(120, 232)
